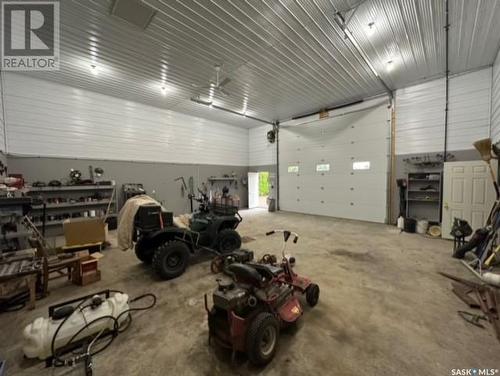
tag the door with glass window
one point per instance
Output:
(337, 167)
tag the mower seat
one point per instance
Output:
(244, 273)
(266, 270)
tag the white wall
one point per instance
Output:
(261, 152)
(420, 113)
(53, 120)
(495, 101)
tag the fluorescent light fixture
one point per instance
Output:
(214, 106)
(389, 65)
(370, 30)
(356, 45)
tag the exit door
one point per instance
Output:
(253, 190)
(468, 193)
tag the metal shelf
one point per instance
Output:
(102, 196)
(417, 191)
(423, 200)
(14, 235)
(426, 180)
(72, 188)
(61, 221)
(72, 205)
(424, 204)
(222, 179)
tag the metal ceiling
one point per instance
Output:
(284, 57)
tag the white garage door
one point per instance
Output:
(338, 166)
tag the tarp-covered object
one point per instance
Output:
(126, 219)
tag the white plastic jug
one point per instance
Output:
(37, 336)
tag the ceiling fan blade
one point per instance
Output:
(225, 81)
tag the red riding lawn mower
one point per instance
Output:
(257, 301)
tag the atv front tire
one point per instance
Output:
(145, 255)
(312, 294)
(171, 259)
(228, 240)
(262, 339)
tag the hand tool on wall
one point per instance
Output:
(484, 147)
(184, 188)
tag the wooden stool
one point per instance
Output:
(61, 267)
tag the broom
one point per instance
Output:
(484, 148)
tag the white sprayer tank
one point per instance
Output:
(37, 336)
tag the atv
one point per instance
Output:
(168, 247)
(259, 299)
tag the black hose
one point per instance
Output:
(117, 328)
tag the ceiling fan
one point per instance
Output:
(217, 86)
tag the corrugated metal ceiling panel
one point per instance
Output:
(411, 34)
(284, 57)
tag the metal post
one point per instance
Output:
(447, 85)
(276, 127)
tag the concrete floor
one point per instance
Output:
(383, 310)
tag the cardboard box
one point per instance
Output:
(88, 268)
(90, 278)
(84, 231)
(90, 248)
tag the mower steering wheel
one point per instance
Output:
(286, 235)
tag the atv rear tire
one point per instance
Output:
(312, 294)
(262, 339)
(228, 240)
(171, 259)
(145, 255)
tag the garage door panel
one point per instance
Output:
(372, 213)
(342, 167)
(340, 192)
(334, 155)
(341, 145)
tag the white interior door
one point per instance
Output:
(253, 190)
(337, 167)
(468, 193)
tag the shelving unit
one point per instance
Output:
(75, 201)
(13, 235)
(231, 180)
(423, 196)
